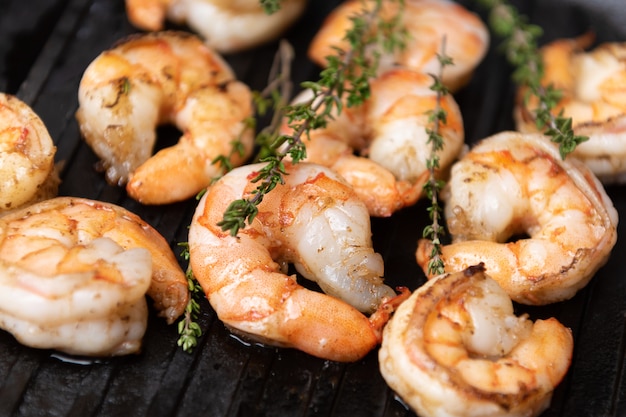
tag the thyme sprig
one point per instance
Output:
(344, 80)
(433, 186)
(520, 40)
(272, 96)
(188, 328)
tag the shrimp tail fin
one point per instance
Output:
(384, 312)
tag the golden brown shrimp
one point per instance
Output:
(427, 22)
(513, 184)
(226, 26)
(389, 131)
(27, 171)
(315, 221)
(159, 78)
(593, 86)
(456, 349)
(74, 274)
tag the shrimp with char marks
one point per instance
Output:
(389, 131)
(27, 170)
(427, 23)
(315, 221)
(592, 86)
(74, 274)
(456, 349)
(155, 79)
(515, 185)
(226, 26)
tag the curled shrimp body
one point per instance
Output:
(74, 274)
(381, 147)
(511, 185)
(27, 171)
(161, 78)
(93, 305)
(313, 221)
(427, 22)
(456, 349)
(226, 26)
(592, 94)
(72, 220)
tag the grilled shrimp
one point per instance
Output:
(592, 87)
(90, 302)
(27, 170)
(455, 348)
(389, 131)
(511, 185)
(226, 26)
(53, 272)
(159, 78)
(314, 221)
(427, 23)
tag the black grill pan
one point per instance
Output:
(45, 45)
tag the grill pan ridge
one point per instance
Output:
(45, 45)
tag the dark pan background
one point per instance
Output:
(45, 45)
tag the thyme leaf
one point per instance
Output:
(270, 6)
(237, 148)
(520, 39)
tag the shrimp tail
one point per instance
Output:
(147, 14)
(381, 316)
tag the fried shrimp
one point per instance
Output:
(226, 26)
(427, 22)
(514, 185)
(27, 170)
(389, 132)
(161, 78)
(313, 221)
(592, 94)
(455, 348)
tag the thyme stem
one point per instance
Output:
(188, 328)
(437, 116)
(520, 46)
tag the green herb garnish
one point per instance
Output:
(344, 80)
(188, 328)
(433, 186)
(520, 40)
